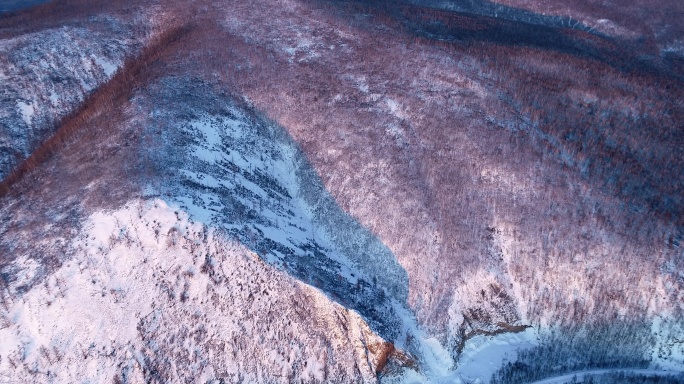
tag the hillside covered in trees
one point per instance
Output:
(342, 191)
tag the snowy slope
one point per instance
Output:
(236, 241)
(234, 170)
(46, 74)
(242, 211)
(276, 200)
(244, 175)
(149, 293)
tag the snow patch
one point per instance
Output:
(483, 355)
(27, 111)
(107, 66)
(54, 98)
(675, 47)
(668, 351)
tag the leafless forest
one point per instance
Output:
(519, 163)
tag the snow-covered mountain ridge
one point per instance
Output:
(148, 293)
(334, 192)
(47, 74)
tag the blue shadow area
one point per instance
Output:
(17, 5)
(245, 177)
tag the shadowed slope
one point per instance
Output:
(473, 191)
(13, 5)
(229, 167)
(154, 135)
